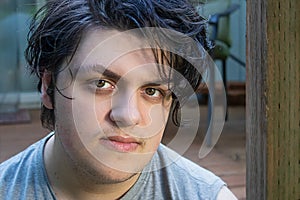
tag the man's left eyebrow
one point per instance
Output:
(160, 82)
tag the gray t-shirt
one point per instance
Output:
(167, 176)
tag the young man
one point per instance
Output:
(109, 82)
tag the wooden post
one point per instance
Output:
(273, 87)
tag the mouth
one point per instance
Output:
(121, 143)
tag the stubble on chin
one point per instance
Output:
(87, 174)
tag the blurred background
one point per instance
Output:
(18, 88)
(20, 101)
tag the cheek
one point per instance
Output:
(153, 143)
(102, 109)
(163, 116)
(77, 116)
(88, 108)
(155, 114)
(157, 118)
(63, 111)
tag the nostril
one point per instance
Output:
(125, 116)
(125, 108)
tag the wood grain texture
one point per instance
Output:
(256, 126)
(273, 87)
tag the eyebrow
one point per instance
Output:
(101, 69)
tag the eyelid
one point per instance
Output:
(162, 91)
(106, 81)
(165, 89)
(105, 78)
(110, 87)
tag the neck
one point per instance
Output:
(70, 182)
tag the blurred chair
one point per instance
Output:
(219, 21)
(218, 13)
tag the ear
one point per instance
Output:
(46, 81)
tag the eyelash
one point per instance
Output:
(163, 95)
(108, 89)
(160, 92)
(111, 87)
(105, 82)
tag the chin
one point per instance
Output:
(102, 174)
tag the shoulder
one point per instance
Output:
(170, 176)
(183, 165)
(226, 194)
(21, 159)
(30, 154)
(188, 177)
(23, 170)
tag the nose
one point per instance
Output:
(125, 111)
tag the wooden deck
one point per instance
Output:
(227, 159)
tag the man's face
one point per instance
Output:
(115, 121)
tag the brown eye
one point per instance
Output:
(150, 91)
(102, 84)
(153, 92)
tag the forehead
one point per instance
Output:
(121, 52)
(105, 46)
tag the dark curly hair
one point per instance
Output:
(57, 28)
